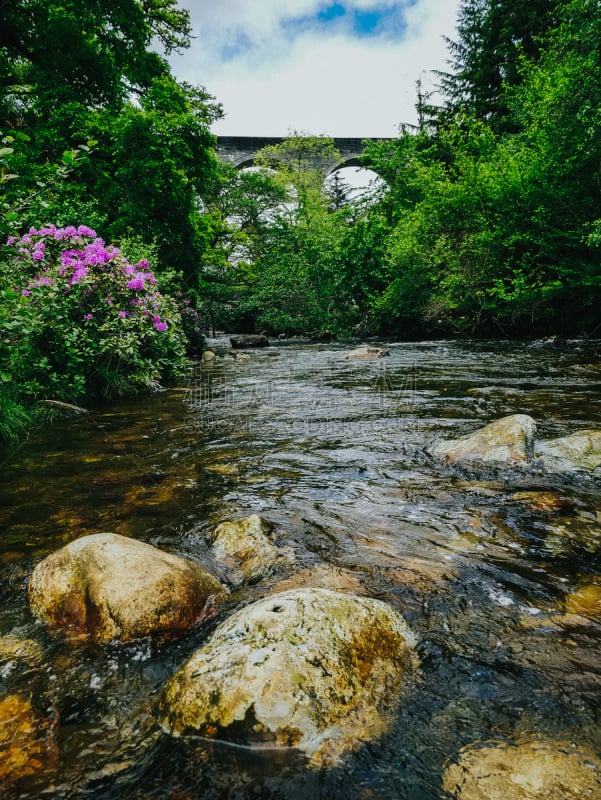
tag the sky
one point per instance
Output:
(347, 68)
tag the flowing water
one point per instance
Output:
(334, 452)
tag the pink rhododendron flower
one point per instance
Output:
(158, 324)
(80, 273)
(136, 283)
(83, 230)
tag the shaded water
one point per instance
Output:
(334, 452)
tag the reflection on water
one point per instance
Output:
(494, 579)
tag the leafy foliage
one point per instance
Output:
(86, 50)
(494, 226)
(72, 70)
(289, 257)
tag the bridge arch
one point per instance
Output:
(353, 160)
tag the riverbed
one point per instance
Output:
(334, 452)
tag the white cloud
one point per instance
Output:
(320, 81)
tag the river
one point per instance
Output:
(334, 452)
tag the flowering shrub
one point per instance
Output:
(83, 321)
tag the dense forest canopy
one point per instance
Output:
(489, 222)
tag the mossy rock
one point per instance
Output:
(313, 669)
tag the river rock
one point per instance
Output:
(580, 451)
(112, 587)
(367, 352)
(544, 502)
(308, 668)
(67, 409)
(249, 340)
(321, 576)
(538, 769)
(16, 651)
(585, 600)
(505, 442)
(27, 740)
(245, 548)
(208, 356)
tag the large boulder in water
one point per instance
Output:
(245, 548)
(245, 340)
(112, 587)
(308, 668)
(366, 352)
(537, 769)
(580, 451)
(506, 442)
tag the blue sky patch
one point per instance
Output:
(375, 22)
(335, 11)
(241, 43)
(383, 20)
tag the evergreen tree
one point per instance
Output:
(493, 37)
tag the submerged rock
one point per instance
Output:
(544, 502)
(15, 649)
(505, 442)
(538, 769)
(245, 548)
(27, 740)
(585, 600)
(249, 340)
(112, 587)
(308, 668)
(580, 451)
(367, 352)
(322, 576)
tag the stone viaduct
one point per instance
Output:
(240, 151)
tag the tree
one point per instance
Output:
(239, 215)
(557, 108)
(72, 70)
(90, 51)
(161, 161)
(285, 240)
(301, 160)
(338, 192)
(493, 37)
